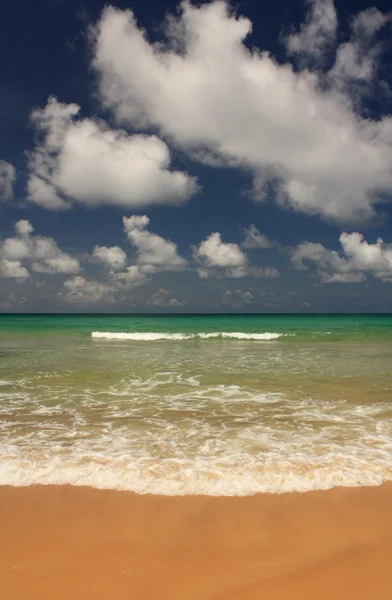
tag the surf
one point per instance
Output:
(151, 336)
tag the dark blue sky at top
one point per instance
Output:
(45, 51)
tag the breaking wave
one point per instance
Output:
(219, 440)
(151, 336)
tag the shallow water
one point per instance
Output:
(277, 403)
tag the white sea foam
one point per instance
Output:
(238, 474)
(197, 418)
(239, 335)
(146, 336)
(153, 336)
(203, 439)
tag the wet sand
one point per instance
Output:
(68, 543)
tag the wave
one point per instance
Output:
(175, 479)
(239, 335)
(173, 434)
(153, 336)
(147, 336)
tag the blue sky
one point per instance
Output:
(207, 156)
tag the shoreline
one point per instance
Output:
(81, 543)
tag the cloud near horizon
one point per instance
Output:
(26, 254)
(113, 258)
(220, 259)
(41, 254)
(357, 259)
(154, 254)
(78, 290)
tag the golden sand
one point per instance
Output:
(68, 543)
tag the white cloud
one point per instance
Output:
(212, 252)
(369, 21)
(237, 272)
(62, 263)
(153, 251)
(23, 227)
(133, 276)
(13, 269)
(357, 60)
(153, 255)
(209, 94)
(316, 35)
(42, 252)
(78, 290)
(351, 265)
(7, 178)
(113, 258)
(220, 259)
(255, 239)
(82, 160)
(165, 299)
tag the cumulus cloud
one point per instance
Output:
(7, 178)
(133, 276)
(153, 255)
(237, 272)
(255, 239)
(297, 131)
(78, 290)
(23, 228)
(112, 258)
(153, 251)
(220, 259)
(13, 269)
(357, 60)
(83, 160)
(41, 252)
(317, 35)
(215, 253)
(356, 259)
(166, 299)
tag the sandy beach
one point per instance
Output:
(80, 543)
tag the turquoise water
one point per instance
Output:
(303, 327)
(186, 404)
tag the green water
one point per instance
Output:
(180, 404)
(304, 327)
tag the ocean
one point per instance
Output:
(196, 404)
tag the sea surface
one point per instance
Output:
(196, 404)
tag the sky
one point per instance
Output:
(196, 156)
